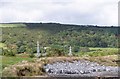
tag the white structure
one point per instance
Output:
(38, 50)
(70, 51)
(44, 53)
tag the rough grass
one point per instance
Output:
(6, 61)
(24, 68)
(110, 60)
(35, 67)
(0, 66)
(2, 45)
(12, 25)
(94, 52)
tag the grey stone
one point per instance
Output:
(78, 67)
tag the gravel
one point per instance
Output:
(80, 68)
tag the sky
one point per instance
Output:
(87, 12)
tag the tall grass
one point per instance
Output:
(99, 52)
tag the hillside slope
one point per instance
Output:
(24, 36)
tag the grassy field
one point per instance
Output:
(94, 52)
(12, 25)
(6, 61)
(103, 56)
(36, 66)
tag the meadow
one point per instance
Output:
(94, 52)
(12, 25)
(103, 56)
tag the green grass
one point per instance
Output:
(2, 45)
(12, 25)
(6, 61)
(0, 66)
(94, 52)
(99, 52)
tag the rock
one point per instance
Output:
(50, 71)
(78, 67)
(81, 72)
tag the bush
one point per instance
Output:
(9, 52)
(76, 49)
(56, 51)
(14, 51)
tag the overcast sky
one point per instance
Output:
(97, 12)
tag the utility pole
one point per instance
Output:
(38, 49)
(70, 51)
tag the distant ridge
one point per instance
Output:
(59, 24)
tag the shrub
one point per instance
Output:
(56, 51)
(76, 49)
(9, 52)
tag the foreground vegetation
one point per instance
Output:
(7, 61)
(35, 68)
(94, 52)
